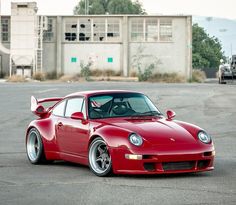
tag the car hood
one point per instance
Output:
(156, 130)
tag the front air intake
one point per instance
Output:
(171, 166)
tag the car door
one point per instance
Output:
(72, 134)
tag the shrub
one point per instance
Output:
(146, 74)
(198, 76)
(85, 70)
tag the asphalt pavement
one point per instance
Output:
(209, 105)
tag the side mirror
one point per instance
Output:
(40, 111)
(170, 114)
(77, 116)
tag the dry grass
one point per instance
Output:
(198, 76)
(167, 78)
(16, 79)
(133, 73)
(105, 73)
(39, 76)
(52, 75)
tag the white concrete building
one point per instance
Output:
(61, 43)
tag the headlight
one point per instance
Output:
(135, 139)
(204, 137)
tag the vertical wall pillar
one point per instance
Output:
(188, 65)
(59, 46)
(125, 46)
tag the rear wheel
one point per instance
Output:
(100, 161)
(34, 147)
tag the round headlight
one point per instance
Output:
(135, 139)
(204, 137)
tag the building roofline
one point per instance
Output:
(120, 15)
(158, 15)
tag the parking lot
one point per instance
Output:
(211, 106)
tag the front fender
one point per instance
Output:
(192, 129)
(114, 136)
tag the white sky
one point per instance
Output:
(214, 8)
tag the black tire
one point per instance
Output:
(34, 147)
(100, 162)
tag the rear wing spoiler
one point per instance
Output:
(37, 107)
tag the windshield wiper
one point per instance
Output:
(148, 113)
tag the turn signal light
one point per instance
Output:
(133, 156)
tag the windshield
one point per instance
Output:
(120, 105)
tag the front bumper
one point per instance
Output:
(163, 162)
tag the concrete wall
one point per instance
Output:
(172, 55)
(23, 33)
(49, 57)
(99, 54)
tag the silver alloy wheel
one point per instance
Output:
(34, 146)
(99, 158)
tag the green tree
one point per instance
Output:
(207, 51)
(110, 6)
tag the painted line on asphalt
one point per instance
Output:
(46, 91)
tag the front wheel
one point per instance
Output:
(100, 161)
(34, 147)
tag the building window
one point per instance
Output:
(71, 30)
(156, 30)
(151, 29)
(137, 29)
(48, 35)
(5, 29)
(99, 30)
(84, 29)
(113, 30)
(95, 29)
(165, 30)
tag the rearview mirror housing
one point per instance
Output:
(170, 114)
(77, 116)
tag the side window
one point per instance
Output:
(84, 109)
(59, 109)
(73, 105)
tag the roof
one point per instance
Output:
(95, 92)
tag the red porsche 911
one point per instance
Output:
(120, 132)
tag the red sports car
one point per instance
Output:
(119, 132)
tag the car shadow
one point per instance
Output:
(134, 176)
(166, 176)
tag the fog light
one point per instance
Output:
(133, 156)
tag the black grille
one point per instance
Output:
(169, 166)
(149, 166)
(203, 164)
